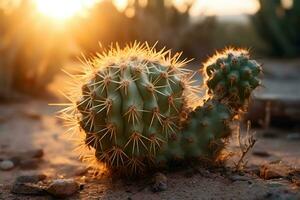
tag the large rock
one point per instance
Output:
(63, 187)
(273, 171)
(28, 184)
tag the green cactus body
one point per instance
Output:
(232, 76)
(203, 135)
(137, 106)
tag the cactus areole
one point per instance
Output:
(137, 107)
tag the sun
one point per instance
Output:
(63, 9)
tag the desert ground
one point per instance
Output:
(33, 138)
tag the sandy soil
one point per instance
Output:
(31, 125)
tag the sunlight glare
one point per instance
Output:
(120, 4)
(207, 7)
(63, 9)
(224, 7)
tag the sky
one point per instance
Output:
(213, 7)
(61, 9)
(224, 7)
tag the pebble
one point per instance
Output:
(63, 187)
(6, 165)
(160, 182)
(273, 171)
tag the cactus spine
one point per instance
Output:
(138, 106)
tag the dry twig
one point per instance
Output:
(245, 145)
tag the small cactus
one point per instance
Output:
(232, 76)
(136, 106)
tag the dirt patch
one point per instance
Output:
(38, 128)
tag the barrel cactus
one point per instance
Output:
(138, 108)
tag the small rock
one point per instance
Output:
(31, 178)
(16, 158)
(160, 182)
(239, 178)
(273, 171)
(293, 136)
(263, 154)
(27, 188)
(63, 187)
(6, 165)
(32, 163)
(80, 171)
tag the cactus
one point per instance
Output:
(279, 26)
(232, 76)
(137, 107)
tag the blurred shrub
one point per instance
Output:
(279, 26)
(105, 24)
(158, 20)
(31, 51)
(240, 35)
